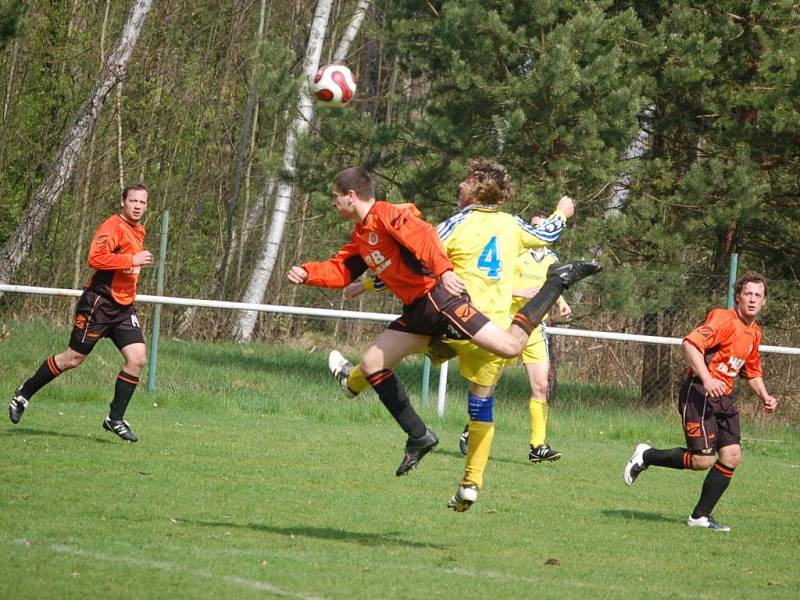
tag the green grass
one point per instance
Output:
(253, 478)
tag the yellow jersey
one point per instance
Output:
(484, 243)
(530, 270)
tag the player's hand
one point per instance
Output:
(142, 258)
(452, 283)
(714, 388)
(297, 275)
(566, 205)
(769, 403)
(564, 310)
(354, 289)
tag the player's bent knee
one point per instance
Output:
(703, 462)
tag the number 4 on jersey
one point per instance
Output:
(489, 260)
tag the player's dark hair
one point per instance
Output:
(492, 185)
(749, 277)
(135, 186)
(356, 179)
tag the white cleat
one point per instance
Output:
(635, 465)
(464, 497)
(707, 523)
(340, 368)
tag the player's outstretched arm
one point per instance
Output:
(297, 275)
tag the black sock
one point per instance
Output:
(674, 458)
(716, 482)
(44, 375)
(394, 398)
(530, 315)
(123, 390)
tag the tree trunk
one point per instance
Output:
(49, 193)
(257, 285)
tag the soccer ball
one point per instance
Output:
(334, 85)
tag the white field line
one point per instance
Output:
(394, 566)
(168, 567)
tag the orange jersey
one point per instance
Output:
(111, 254)
(396, 245)
(728, 344)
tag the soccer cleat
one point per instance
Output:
(635, 464)
(340, 368)
(707, 523)
(17, 406)
(571, 273)
(543, 452)
(464, 497)
(416, 449)
(463, 441)
(121, 428)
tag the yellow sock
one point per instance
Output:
(356, 381)
(480, 443)
(538, 411)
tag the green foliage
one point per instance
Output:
(12, 13)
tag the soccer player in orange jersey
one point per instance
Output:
(725, 346)
(105, 309)
(408, 256)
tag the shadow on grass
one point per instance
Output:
(47, 433)
(322, 533)
(636, 515)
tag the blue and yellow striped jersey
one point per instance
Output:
(484, 243)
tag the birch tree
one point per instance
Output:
(262, 271)
(49, 192)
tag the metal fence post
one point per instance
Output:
(162, 255)
(732, 279)
(426, 377)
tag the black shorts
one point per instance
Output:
(98, 317)
(440, 313)
(708, 423)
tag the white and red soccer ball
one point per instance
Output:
(334, 86)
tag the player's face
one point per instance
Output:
(465, 195)
(134, 205)
(750, 300)
(343, 203)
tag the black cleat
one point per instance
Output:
(543, 452)
(571, 273)
(121, 428)
(463, 441)
(416, 448)
(17, 406)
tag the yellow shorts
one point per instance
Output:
(477, 365)
(536, 351)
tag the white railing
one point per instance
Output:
(365, 316)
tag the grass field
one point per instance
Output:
(253, 478)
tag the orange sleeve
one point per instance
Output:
(102, 255)
(709, 333)
(418, 236)
(338, 271)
